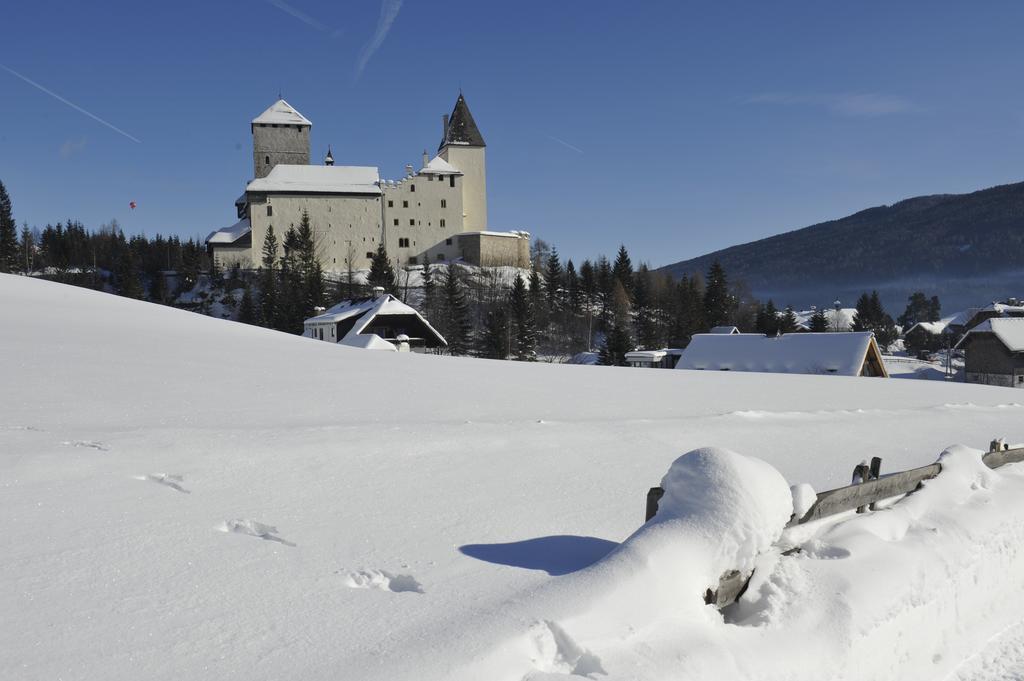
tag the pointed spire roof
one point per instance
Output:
(281, 113)
(329, 159)
(461, 128)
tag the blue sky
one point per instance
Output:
(676, 128)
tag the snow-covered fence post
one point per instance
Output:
(860, 475)
(873, 473)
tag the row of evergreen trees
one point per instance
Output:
(557, 310)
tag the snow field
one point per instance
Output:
(476, 482)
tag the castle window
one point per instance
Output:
(447, 242)
(412, 187)
(267, 161)
(396, 222)
(412, 260)
(270, 210)
(451, 180)
(440, 256)
(442, 222)
(369, 254)
(444, 203)
(391, 204)
(412, 223)
(403, 243)
(405, 204)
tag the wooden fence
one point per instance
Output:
(869, 487)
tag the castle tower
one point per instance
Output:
(463, 146)
(279, 135)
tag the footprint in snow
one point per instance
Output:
(253, 529)
(86, 443)
(383, 581)
(165, 479)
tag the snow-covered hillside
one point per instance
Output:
(189, 498)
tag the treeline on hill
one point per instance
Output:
(554, 310)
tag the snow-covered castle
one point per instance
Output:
(435, 214)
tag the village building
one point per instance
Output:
(654, 359)
(994, 351)
(972, 317)
(435, 214)
(843, 354)
(380, 322)
(727, 330)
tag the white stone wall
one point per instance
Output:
(414, 209)
(472, 162)
(343, 226)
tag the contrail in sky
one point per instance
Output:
(71, 104)
(565, 144)
(388, 13)
(304, 18)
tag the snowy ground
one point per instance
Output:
(190, 498)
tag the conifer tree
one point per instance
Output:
(623, 270)
(690, 316)
(605, 281)
(871, 316)
(618, 340)
(8, 233)
(495, 340)
(381, 272)
(246, 309)
(718, 303)
(458, 329)
(310, 269)
(553, 280)
(788, 323)
(572, 289)
(819, 321)
(268, 312)
(291, 302)
(26, 249)
(524, 338)
(429, 291)
(646, 325)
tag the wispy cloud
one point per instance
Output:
(854, 104)
(72, 147)
(71, 104)
(388, 13)
(565, 144)
(304, 18)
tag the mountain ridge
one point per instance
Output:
(965, 245)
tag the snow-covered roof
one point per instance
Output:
(934, 328)
(724, 330)
(439, 166)
(366, 309)
(646, 355)
(1009, 330)
(230, 235)
(319, 180)
(793, 353)
(281, 113)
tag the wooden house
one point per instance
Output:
(994, 351)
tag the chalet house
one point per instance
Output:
(844, 354)
(381, 322)
(995, 352)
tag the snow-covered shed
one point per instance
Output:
(845, 354)
(654, 359)
(994, 351)
(381, 322)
